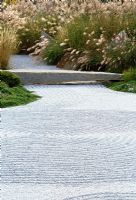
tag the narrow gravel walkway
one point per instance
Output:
(75, 143)
(19, 62)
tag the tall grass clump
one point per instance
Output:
(75, 32)
(34, 28)
(8, 46)
(86, 35)
(53, 53)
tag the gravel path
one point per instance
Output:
(30, 63)
(75, 143)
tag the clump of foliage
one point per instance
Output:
(128, 84)
(74, 32)
(12, 93)
(10, 79)
(35, 27)
(101, 38)
(93, 35)
(130, 74)
(53, 53)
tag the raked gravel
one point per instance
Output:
(26, 62)
(75, 143)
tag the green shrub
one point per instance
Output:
(124, 86)
(4, 88)
(128, 84)
(53, 52)
(130, 74)
(15, 96)
(9, 78)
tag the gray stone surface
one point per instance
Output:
(76, 142)
(33, 72)
(61, 76)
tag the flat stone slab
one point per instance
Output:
(60, 76)
(32, 71)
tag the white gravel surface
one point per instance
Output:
(75, 143)
(25, 62)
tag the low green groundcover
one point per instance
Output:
(123, 86)
(14, 96)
